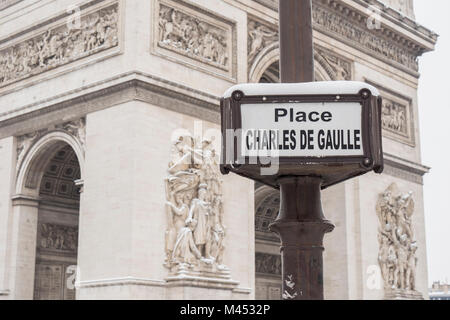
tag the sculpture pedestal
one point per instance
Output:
(201, 282)
(392, 294)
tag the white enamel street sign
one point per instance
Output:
(328, 129)
(302, 129)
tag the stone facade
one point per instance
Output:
(109, 188)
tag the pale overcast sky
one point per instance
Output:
(434, 108)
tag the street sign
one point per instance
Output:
(330, 130)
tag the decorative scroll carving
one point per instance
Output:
(195, 233)
(394, 117)
(397, 255)
(58, 46)
(268, 263)
(194, 37)
(55, 237)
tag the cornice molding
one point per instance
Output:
(123, 88)
(408, 24)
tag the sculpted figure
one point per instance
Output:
(411, 271)
(200, 210)
(397, 257)
(177, 209)
(259, 35)
(185, 250)
(195, 234)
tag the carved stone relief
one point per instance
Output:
(60, 45)
(53, 237)
(336, 67)
(394, 117)
(195, 232)
(397, 254)
(342, 25)
(268, 263)
(196, 34)
(262, 36)
(397, 116)
(76, 128)
(344, 28)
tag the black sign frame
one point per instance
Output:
(349, 166)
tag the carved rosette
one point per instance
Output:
(397, 253)
(76, 128)
(60, 45)
(195, 230)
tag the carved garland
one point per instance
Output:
(55, 47)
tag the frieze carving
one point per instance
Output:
(394, 117)
(55, 237)
(194, 36)
(76, 128)
(195, 232)
(326, 20)
(397, 254)
(96, 32)
(346, 28)
(268, 263)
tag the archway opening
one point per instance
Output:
(57, 225)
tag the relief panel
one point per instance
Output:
(397, 116)
(195, 37)
(59, 44)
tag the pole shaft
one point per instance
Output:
(301, 224)
(296, 41)
(301, 227)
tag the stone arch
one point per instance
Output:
(271, 55)
(31, 168)
(267, 201)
